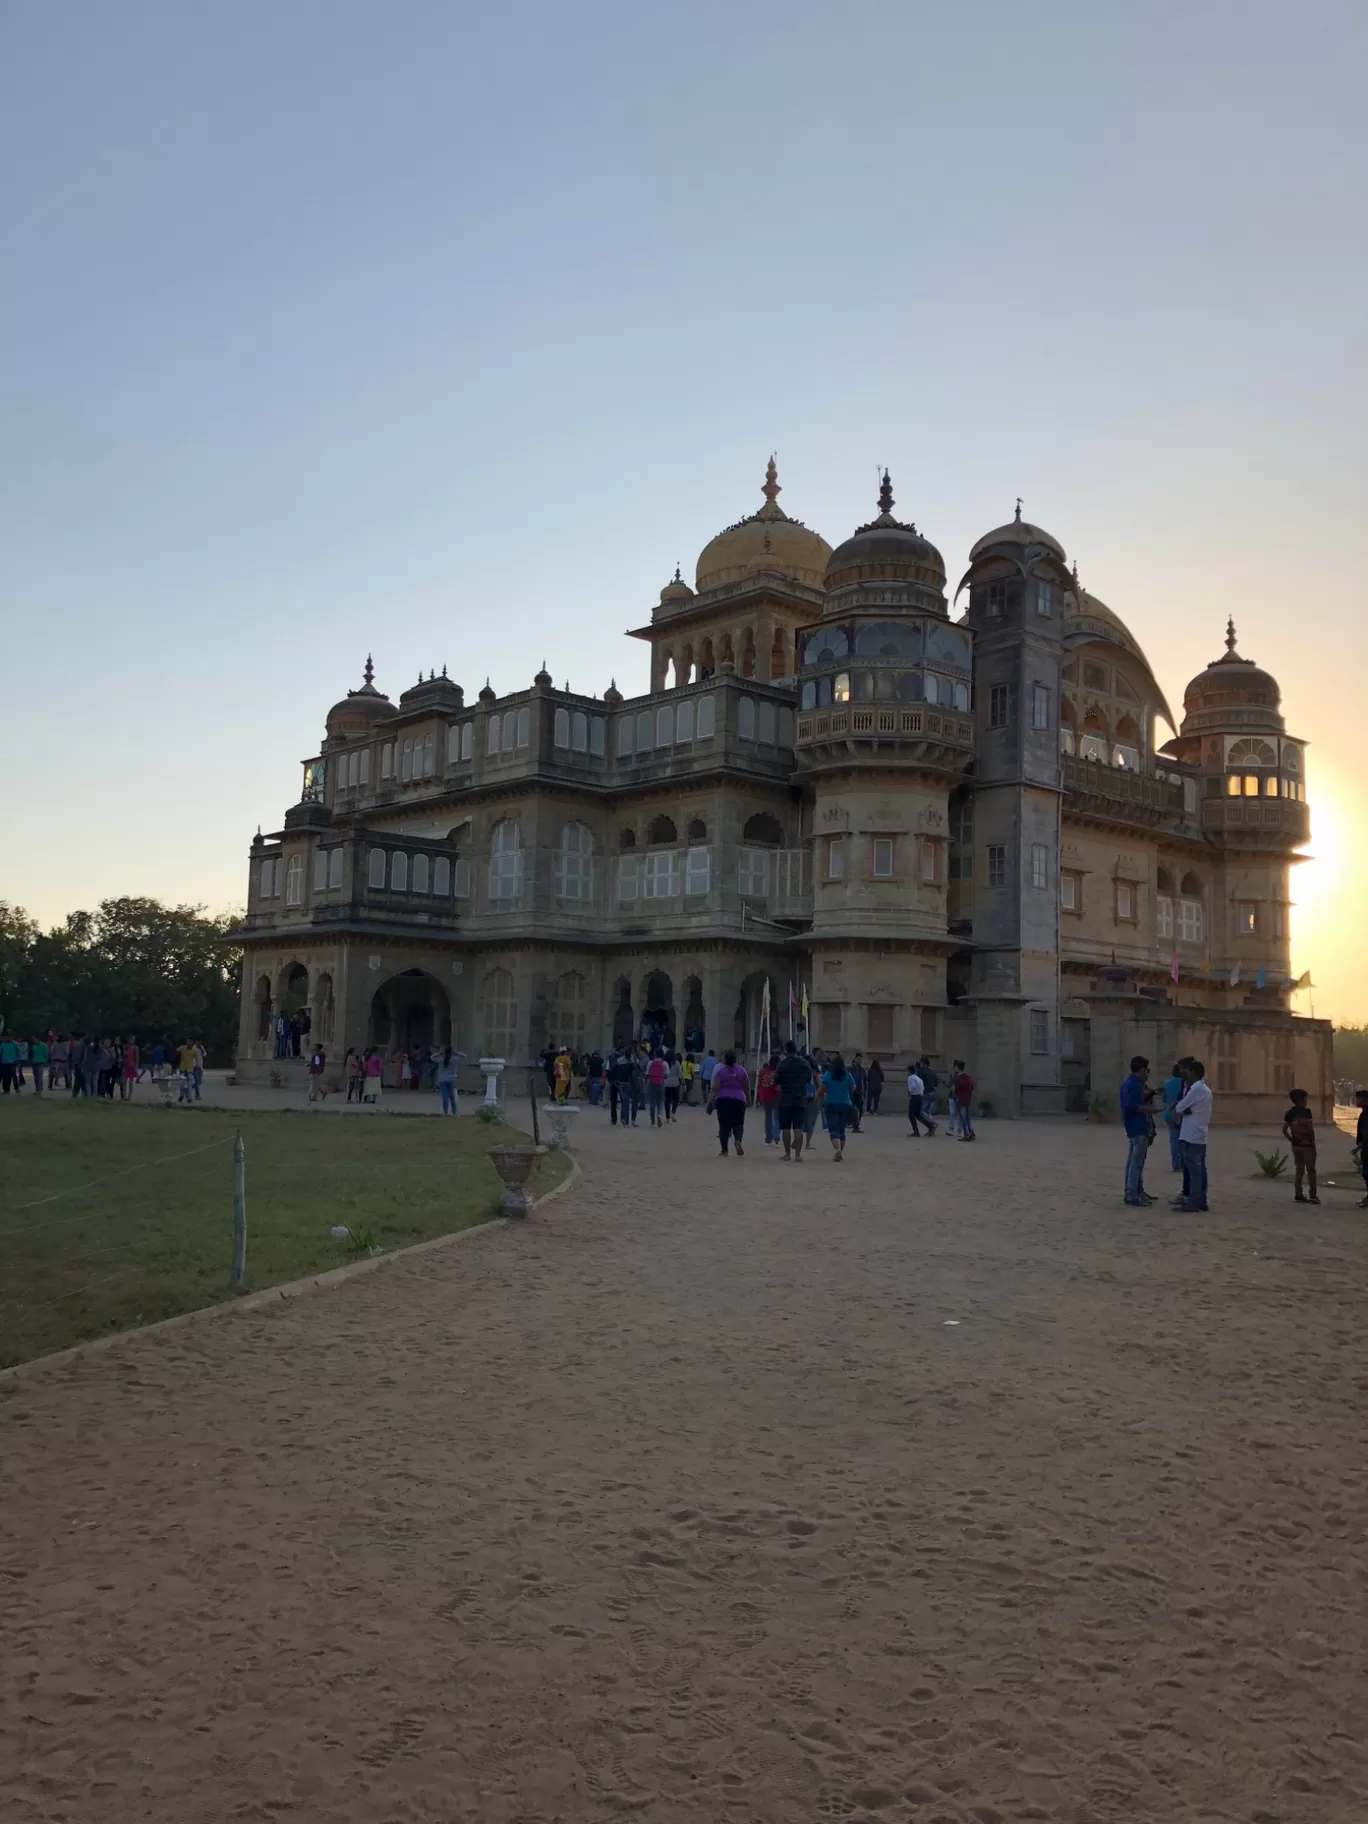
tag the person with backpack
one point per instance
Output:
(655, 1091)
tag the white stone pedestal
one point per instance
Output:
(558, 1116)
(493, 1070)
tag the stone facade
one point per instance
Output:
(941, 831)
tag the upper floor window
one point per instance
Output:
(1044, 598)
(625, 729)
(752, 873)
(492, 735)
(574, 867)
(320, 870)
(664, 726)
(997, 864)
(745, 716)
(997, 598)
(999, 702)
(441, 877)
(835, 858)
(1125, 900)
(294, 881)
(399, 872)
(596, 736)
(376, 868)
(509, 733)
(1040, 1031)
(1190, 921)
(1246, 918)
(697, 872)
(506, 861)
(467, 741)
(1163, 915)
(387, 760)
(1040, 706)
(660, 874)
(881, 858)
(561, 728)
(684, 721)
(1040, 866)
(579, 732)
(335, 868)
(460, 878)
(707, 718)
(645, 729)
(421, 873)
(1071, 892)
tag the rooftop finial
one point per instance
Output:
(771, 489)
(886, 494)
(677, 577)
(1018, 511)
(369, 673)
(1230, 634)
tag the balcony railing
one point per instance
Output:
(889, 723)
(1276, 820)
(1115, 790)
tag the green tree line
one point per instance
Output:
(133, 966)
(1351, 1053)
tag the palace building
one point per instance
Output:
(984, 837)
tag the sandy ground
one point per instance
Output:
(687, 1500)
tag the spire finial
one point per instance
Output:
(886, 494)
(1230, 634)
(677, 577)
(369, 673)
(771, 489)
(1018, 511)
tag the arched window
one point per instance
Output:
(467, 741)
(453, 745)
(825, 643)
(698, 830)
(932, 687)
(643, 732)
(684, 721)
(406, 761)
(294, 881)
(492, 735)
(399, 872)
(574, 868)
(561, 728)
(765, 724)
(1247, 753)
(570, 1011)
(441, 877)
(809, 694)
(387, 760)
(763, 831)
(745, 718)
(627, 839)
(707, 718)
(505, 862)
(365, 767)
(429, 756)
(962, 697)
(353, 769)
(1190, 909)
(1163, 880)
(320, 870)
(376, 875)
(596, 736)
(335, 868)
(460, 878)
(840, 687)
(625, 729)
(500, 1014)
(509, 736)
(421, 867)
(889, 640)
(524, 726)
(664, 728)
(662, 829)
(579, 732)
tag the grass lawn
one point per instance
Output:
(143, 1228)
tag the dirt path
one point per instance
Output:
(688, 1500)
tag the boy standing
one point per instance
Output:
(1135, 1097)
(1299, 1127)
(1194, 1108)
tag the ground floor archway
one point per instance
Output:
(410, 1012)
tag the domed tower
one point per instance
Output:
(884, 730)
(351, 724)
(1253, 812)
(1018, 583)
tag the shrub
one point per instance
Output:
(490, 1116)
(277, 1079)
(987, 1108)
(1273, 1164)
(1099, 1106)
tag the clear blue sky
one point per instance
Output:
(444, 331)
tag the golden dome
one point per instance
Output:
(1232, 683)
(768, 540)
(1087, 618)
(676, 590)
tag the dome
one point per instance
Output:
(768, 540)
(360, 710)
(1085, 614)
(677, 590)
(886, 550)
(1019, 532)
(1231, 682)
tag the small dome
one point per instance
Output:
(1018, 532)
(677, 590)
(1231, 682)
(886, 549)
(487, 693)
(612, 694)
(768, 540)
(360, 710)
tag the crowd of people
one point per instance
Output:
(94, 1067)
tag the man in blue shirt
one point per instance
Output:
(1135, 1095)
(1174, 1087)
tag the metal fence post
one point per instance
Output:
(239, 1210)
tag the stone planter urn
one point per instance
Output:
(493, 1069)
(558, 1116)
(515, 1165)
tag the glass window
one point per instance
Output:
(399, 872)
(660, 874)
(1247, 918)
(624, 737)
(492, 735)
(294, 881)
(664, 727)
(1163, 915)
(460, 877)
(1040, 706)
(562, 728)
(505, 861)
(387, 760)
(596, 736)
(406, 761)
(883, 858)
(962, 697)
(574, 871)
(1040, 866)
(1125, 757)
(1040, 1032)
(524, 726)
(698, 873)
(365, 766)
(429, 756)
(840, 688)
(745, 718)
(825, 643)
(1271, 786)
(628, 875)
(353, 769)
(765, 724)
(1070, 892)
(752, 873)
(500, 1014)
(579, 732)
(1066, 739)
(467, 741)
(930, 860)
(889, 640)
(1125, 899)
(997, 865)
(1044, 598)
(1190, 921)
(1233, 786)
(808, 699)
(707, 718)
(335, 868)
(998, 701)
(320, 884)
(643, 732)
(509, 735)
(441, 877)
(835, 869)
(377, 868)
(421, 867)
(1251, 785)
(684, 721)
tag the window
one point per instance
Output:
(453, 743)
(998, 701)
(1227, 1061)
(930, 861)
(879, 1028)
(664, 727)
(574, 870)
(460, 877)
(1096, 677)
(1279, 921)
(467, 742)
(353, 769)
(1233, 786)
(1189, 921)
(1271, 786)
(429, 756)
(492, 735)
(835, 857)
(1246, 918)
(707, 718)
(335, 868)
(1044, 598)
(1251, 785)
(1040, 866)
(320, 870)
(997, 865)
(962, 697)
(1125, 899)
(1071, 892)
(1163, 916)
(406, 760)
(505, 861)
(387, 760)
(684, 722)
(364, 775)
(441, 877)
(1126, 757)
(997, 598)
(745, 718)
(1040, 706)
(1040, 1032)
(294, 881)
(1092, 747)
(561, 725)
(399, 872)
(579, 738)
(752, 873)
(765, 725)
(376, 875)
(883, 858)
(509, 734)
(524, 726)
(628, 878)
(661, 829)
(500, 1014)
(697, 873)
(660, 874)
(422, 871)
(624, 737)
(840, 687)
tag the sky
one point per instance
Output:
(443, 332)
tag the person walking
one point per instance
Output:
(372, 1075)
(59, 1052)
(728, 1095)
(639, 1063)
(838, 1097)
(201, 1058)
(317, 1065)
(620, 1088)
(1299, 1127)
(593, 1079)
(688, 1070)
(1195, 1109)
(21, 1064)
(76, 1052)
(767, 1095)
(793, 1079)
(38, 1062)
(1172, 1091)
(351, 1073)
(1136, 1096)
(916, 1097)
(448, 1076)
(128, 1070)
(673, 1078)
(707, 1070)
(9, 1060)
(655, 1091)
(186, 1062)
(856, 1072)
(1361, 1141)
(961, 1101)
(874, 1082)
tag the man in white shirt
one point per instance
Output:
(1194, 1109)
(916, 1094)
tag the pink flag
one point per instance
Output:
(1173, 971)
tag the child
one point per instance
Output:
(1300, 1128)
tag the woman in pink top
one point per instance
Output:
(730, 1093)
(130, 1069)
(371, 1067)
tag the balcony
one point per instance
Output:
(880, 724)
(1265, 823)
(1095, 789)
